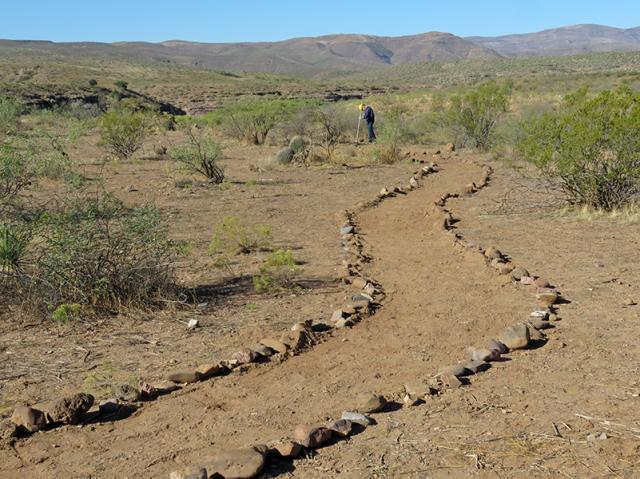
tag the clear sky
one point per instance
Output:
(267, 20)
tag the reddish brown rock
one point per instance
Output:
(541, 283)
(371, 403)
(235, 463)
(277, 346)
(69, 410)
(341, 427)
(516, 336)
(184, 377)
(311, 436)
(28, 418)
(287, 449)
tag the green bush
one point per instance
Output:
(13, 245)
(95, 252)
(200, 154)
(122, 131)
(278, 271)
(66, 312)
(10, 111)
(473, 115)
(251, 121)
(231, 236)
(590, 148)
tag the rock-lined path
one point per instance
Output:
(440, 299)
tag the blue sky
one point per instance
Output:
(267, 20)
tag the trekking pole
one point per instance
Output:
(358, 129)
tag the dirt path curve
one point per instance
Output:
(439, 300)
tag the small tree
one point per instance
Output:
(200, 154)
(331, 128)
(474, 115)
(590, 148)
(123, 131)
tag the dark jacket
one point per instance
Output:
(368, 115)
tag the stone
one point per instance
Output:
(245, 356)
(476, 366)
(297, 340)
(192, 324)
(28, 418)
(470, 189)
(547, 298)
(126, 393)
(109, 406)
(184, 377)
(341, 427)
(287, 449)
(302, 326)
(497, 263)
(450, 147)
(311, 436)
(518, 273)
(527, 280)
(540, 314)
(235, 463)
(190, 473)
(451, 382)
(345, 230)
(337, 315)
(483, 355)
(357, 418)
(344, 323)
(8, 430)
(541, 324)
(515, 337)
(536, 334)
(541, 283)
(384, 192)
(414, 393)
(493, 253)
(496, 345)
(277, 346)
(371, 403)
(69, 410)
(630, 302)
(161, 387)
(370, 289)
(506, 269)
(361, 298)
(413, 183)
(359, 283)
(553, 317)
(208, 370)
(455, 370)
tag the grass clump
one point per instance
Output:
(123, 130)
(278, 271)
(66, 312)
(232, 237)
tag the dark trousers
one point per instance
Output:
(372, 134)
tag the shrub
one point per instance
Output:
(66, 312)
(10, 111)
(13, 244)
(123, 131)
(93, 82)
(331, 128)
(96, 252)
(473, 115)
(200, 154)
(121, 84)
(590, 148)
(278, 271)
(285, 155)
(231, 236)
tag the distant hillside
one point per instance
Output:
(299, 55)
(572, 40)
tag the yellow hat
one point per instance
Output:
(361, 107)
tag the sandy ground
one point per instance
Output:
(519, 419)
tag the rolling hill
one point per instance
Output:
(571, 40)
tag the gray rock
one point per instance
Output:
(476, 366)
(516, 336)
(262, 350)
(345, 230)
(126, 393)
(344, 323)
(455, 370)
(109, 406)
(496, 345)
(483, 355)
(337, 315)
(518, 273)
(547, 298)
(541, 324)
(357, 418)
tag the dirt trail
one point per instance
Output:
(440, 299)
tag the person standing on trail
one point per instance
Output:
(369, 116)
